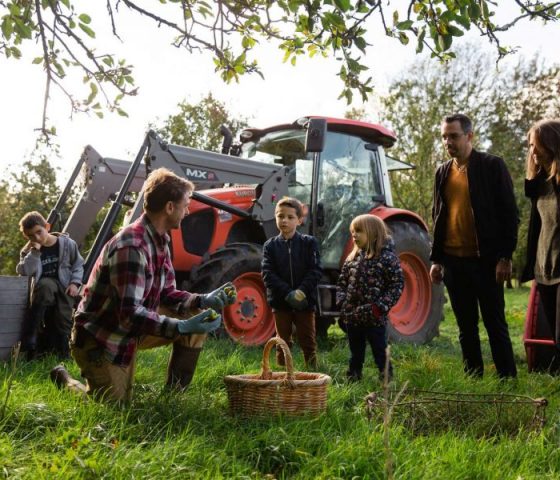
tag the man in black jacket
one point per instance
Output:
(475, 221)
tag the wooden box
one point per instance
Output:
(14, 300)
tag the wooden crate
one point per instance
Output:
(14, 299)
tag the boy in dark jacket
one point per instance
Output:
(291, 269)
(54, 262)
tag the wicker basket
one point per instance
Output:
(272, 393)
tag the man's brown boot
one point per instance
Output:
(182, 366)
(60, 376)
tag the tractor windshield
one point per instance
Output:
(287, 148)
(350, 185)
(349, 180)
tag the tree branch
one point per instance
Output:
(47, 66)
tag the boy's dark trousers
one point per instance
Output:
(358, 338)
(50, 321)
(305, 333)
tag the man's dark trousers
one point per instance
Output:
(472, 282)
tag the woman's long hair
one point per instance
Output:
(546, 135)
(376, 232)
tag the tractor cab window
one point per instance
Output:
(350, 184)
(287, 148)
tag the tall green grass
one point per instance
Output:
(46, 433)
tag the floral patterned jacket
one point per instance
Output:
(368, 288)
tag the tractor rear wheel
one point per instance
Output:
(416, 316)
(249, 320)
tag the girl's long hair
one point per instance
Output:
(547, 137)
(377, 235)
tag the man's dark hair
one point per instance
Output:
(466, 122)
(30, 220)
(163, 186)
(292, 203)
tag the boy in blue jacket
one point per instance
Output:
(291, 270)
(54, 262)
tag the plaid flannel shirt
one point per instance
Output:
(130, 279)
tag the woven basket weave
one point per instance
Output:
(272, 393)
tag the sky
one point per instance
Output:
(166, 76)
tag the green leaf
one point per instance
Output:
(444, 42)
(343, 5)
(23, 29)
(88, 31)
(37, 60)
(463, 21)
(7, 28)
(85, 18)
(360, 43)
(293, 5)
(456, 32)
(363, 8)
(485, 10)
(403, 38)
(474, 11)
(405, 25)
(99, 114)
(421, 37)
(92, 94)
(122, 113)
(248, 42)
(16, 52)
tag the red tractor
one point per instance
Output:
(336, 167)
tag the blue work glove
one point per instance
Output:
(203, 322)
(297, 300)
(219, 298)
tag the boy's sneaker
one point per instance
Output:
(353, 376)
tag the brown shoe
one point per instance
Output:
(60, 376)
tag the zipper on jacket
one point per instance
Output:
(290, 262)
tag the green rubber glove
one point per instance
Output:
(219, 298)
(204, 322)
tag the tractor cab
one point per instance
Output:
(351, 172)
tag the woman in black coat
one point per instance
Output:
(543, 241)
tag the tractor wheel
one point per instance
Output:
(540, 356)
(416, 316)
(249, 320)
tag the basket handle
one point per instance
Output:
(266, 373)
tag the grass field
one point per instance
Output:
(45, 433)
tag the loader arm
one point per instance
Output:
(210, 169)
(103, 178)
(205, 169)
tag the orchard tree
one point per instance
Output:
(527, 94)
(60, 36)
(502, 104)
(34, 188)
(198, 125)
(414, 108)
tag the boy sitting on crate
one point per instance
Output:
(54, 262)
